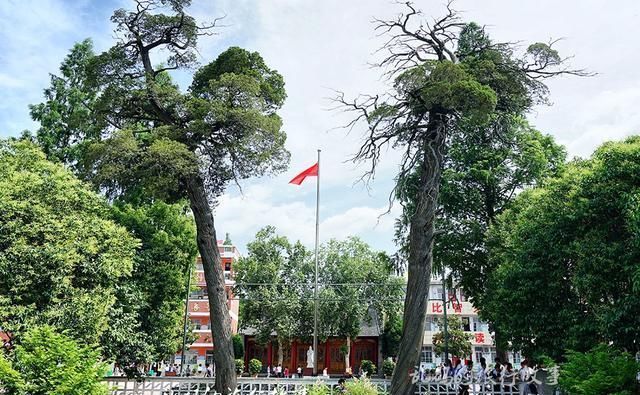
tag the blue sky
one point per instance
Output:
(323, 45)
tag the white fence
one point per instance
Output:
(272, 386)
(204, 386)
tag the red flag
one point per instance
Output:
(310, 172)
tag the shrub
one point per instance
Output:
(318, 388)
(255, 367)
(50, 363)
(603, 370)
(361, 387)
(238, 346)
(387, 367)
(368, 366)
(239, 366)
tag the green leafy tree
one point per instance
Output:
(459, 341)
(391, 335)
(47, 362)
(356, 287)
(444, 73)
(273, 281)
(143, 138)
(62, 257)
(602, 370)
(146, 319)
(238, 346)
(485, 168)
(558, 243)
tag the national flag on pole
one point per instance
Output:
(310, 172)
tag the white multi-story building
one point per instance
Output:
(459, 305)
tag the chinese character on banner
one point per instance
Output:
(457, 307)
(436, 307)
(196, 307)
(479, 338)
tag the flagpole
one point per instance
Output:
(315, 290)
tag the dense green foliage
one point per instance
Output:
(459, 341)
(239, 365)
(148, 313)
(602, 370)
(50, 363)
(361, 387)
(391, 335)
(62, 257)
(238, 346)
(276, 281)
(318, 388)
(387, 367)
(357, 286)
(573, 242)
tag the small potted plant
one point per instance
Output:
(368, 367)
(387, 368)
(239, 366)
(255, 367)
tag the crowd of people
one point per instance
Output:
(498, 377)
(163, 369)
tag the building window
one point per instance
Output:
(487, 352)
(466, 324)
(479, 326)
(436, 292)
(197, 325)
(463, 297)
(426, 355)
(516, 358)
(432, 324)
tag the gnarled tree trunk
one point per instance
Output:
(421, 235)
(223, 356)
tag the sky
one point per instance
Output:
(323, 46)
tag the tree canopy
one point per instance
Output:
(121, 122)
(148, 312)
(458, 341)
(273, 280)
(558, 243)
(445, 72)
(47, 362)
(62, 255)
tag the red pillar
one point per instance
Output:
(326, 354)
(269, 354)
(294, 357)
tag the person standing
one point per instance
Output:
(496, 375)
(508, 378)
(462, 376)
(200, 370)
(523, 375)
(299, 371)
